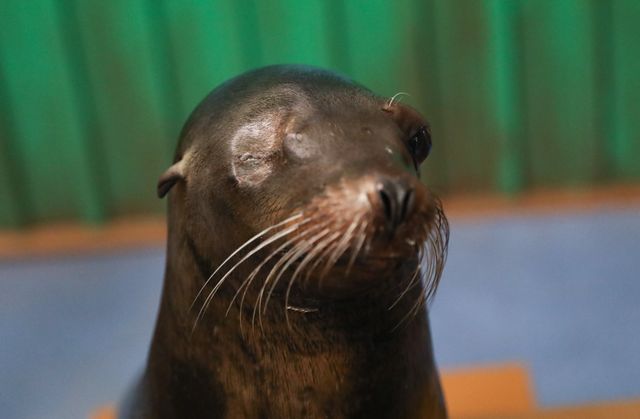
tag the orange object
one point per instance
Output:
(106, 412)
(488, 391)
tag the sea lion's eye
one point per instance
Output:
(420, 145)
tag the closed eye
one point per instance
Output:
(420, 145)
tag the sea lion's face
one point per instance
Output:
(326, 195)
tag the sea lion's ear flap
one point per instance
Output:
(170, 177)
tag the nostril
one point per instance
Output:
(407, 204)
(387, 204)
(396, 200)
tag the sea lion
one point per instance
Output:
(301, 250)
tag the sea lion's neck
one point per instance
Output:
(321, 364)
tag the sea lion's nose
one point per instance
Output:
(396, 199)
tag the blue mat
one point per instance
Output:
(558, 292)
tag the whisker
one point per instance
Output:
(307, 259)
(251, 276)
(261, 246)
(323, 249)
(396, 96)
(411, 312)
(414, 280)
(274, 269)
(299, 252)
(250, 279)
(341, 247)
(247, 282)
(429, 276)
(303, 247)
(245, 244)
(358, 247)
(435, 252)
(257, 307)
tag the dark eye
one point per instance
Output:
(420, 145)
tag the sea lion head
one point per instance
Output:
(311, 184)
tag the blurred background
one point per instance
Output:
(535, 110)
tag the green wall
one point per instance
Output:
(521, 93)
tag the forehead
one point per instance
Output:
(334, 119)
(255, 114)
(292, 107)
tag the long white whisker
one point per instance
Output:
(410, 284)
(249, 280)
(342, 246)
(395, 96)
(278, 264)
(305, 261)
(247, 256)
(253, 274)
(301, 249)
(358, 247)
(257, 308)
(324, 248)
(309, 257)
(248, 242)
